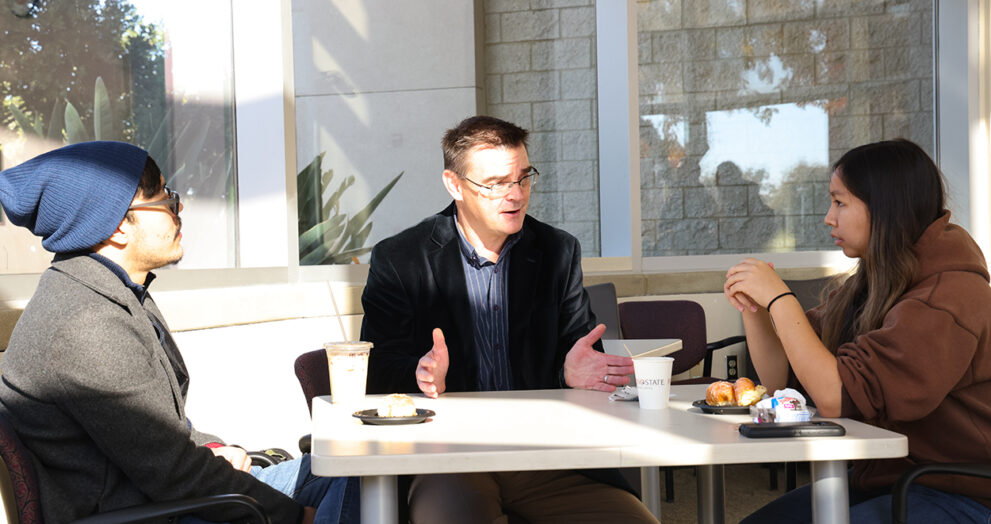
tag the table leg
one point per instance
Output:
(830, 496)
(712, 500)
(650, 488)
(378, 499)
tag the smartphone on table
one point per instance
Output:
(814, 428)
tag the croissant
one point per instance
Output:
(720, 394)
(746, 392)
(743, 392)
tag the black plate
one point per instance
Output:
(721, 410)
(371, 416)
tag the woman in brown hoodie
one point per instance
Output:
(904, 343)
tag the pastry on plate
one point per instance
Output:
(397, 405)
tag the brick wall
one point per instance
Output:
(540, 74)
(867, 64)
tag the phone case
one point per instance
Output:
(817, 428)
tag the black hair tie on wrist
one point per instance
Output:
(775, 299)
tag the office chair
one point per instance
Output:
(605, 308)
(899, 492)
(682, 319)
(26, 504)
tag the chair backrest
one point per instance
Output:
(22, 476)
(313, 374)
(603, 299)
(682, 319)
(808, 291)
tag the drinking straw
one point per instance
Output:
(628, 352)
(337, 313)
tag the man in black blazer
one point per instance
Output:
(482, 297)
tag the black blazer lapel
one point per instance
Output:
(445, 263)
(524, 271)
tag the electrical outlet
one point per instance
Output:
(732, 372)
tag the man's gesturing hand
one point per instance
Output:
(431, 371)
(586, 368)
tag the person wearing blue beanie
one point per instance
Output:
(93, 381)
(73, 197)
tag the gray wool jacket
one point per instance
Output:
(92, 394)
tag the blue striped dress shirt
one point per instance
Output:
(488, 295)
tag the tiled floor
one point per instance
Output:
(747, 489)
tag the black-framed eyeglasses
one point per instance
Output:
(172, 202)
(502, 189)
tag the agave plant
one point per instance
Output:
(189, 163)
(67, 124)
(328, 236)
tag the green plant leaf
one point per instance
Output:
(23, 121)
(336, 239)
(346, 256)
(359, 219)
(330, 228)
(103, 115)
(333, 203)
(359, 238)
(317, 256)
(357, 222)
(156, 147)
(308, 192)
(75, 132)
(56, 122)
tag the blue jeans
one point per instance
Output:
(925, 505)
(335, 498)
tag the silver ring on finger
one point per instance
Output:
(606, 378)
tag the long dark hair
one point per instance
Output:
(904, 194)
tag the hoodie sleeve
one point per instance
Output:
(903, 370)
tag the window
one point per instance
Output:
(744, 106)
(138, 71)
(377, 83)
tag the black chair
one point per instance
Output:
(605, 308)
(899, 492)
(23, 479)
(682, 319)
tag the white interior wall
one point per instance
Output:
(242, 385)
(369, 95)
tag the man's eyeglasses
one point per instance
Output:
(502, 189)
(172, 202)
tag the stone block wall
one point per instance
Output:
(867, 64)
(539, 65)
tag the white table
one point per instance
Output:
(577, 429)
(654, 347)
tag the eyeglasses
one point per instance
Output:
(502, 189)
(172, 202)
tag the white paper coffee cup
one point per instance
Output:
(348, 362)
(653, 381)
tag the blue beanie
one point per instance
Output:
(73, 197)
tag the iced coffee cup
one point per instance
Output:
(653, 381)
(348, 362)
